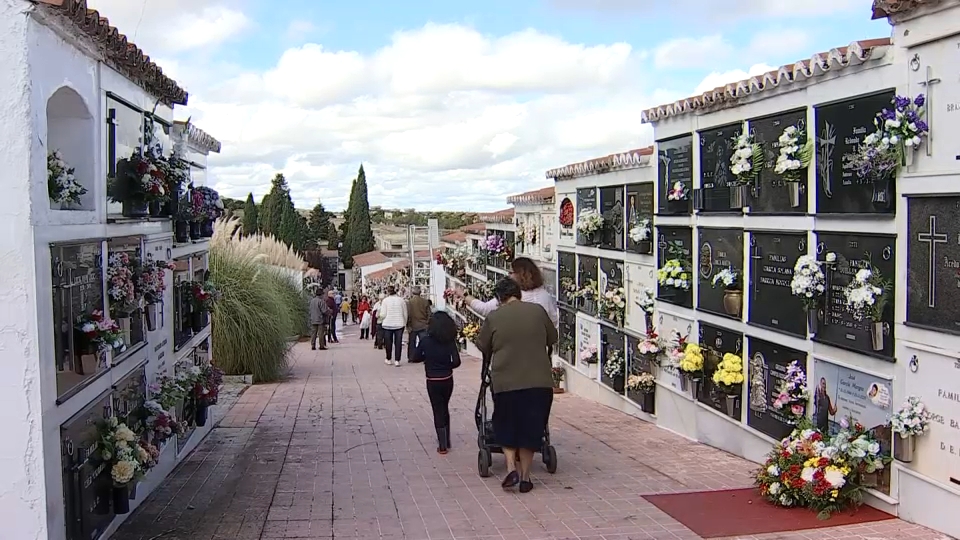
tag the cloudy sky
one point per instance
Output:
(453, 105)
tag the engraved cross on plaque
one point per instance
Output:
(933, 238)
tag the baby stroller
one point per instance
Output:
(486, 439)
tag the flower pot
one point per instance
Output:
(813, 320)
(132, 209)
(648, 402)
(618, 383)
(155, 208)
(908, 154)
(194, 230)
(904, 447)
(206, 228)
(172, 206)
(150, 310)
(738, 196)
(201, 414)
(732, 302)
(881, 193)
(121, 499)
(876, 335)
(794, 189)
(730, 405)
(196, 321)
(678, 207)
(181, 231)
(645, 247)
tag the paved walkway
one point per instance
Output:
(345, 449)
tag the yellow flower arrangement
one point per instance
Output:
(471, 331)
(729, 373)
(692, 360)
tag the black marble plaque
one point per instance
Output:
(766, 368)
(716, 342)
(568, 335)
(772, 303)
(839, 327)
(674, 164)
(613, 210)
(718, 249)
(613, 270)
(611, 340)
(587, 271)
(675, 243)
(586, 198)
(566, 272)
(840, 127)
(129, 394)
(716, 148)
(640, 208)
(773, 194)
(933, 262)
(87, 486)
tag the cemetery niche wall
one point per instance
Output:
(933, 263)
(719, 261)
(774, 195)
(588, 281)
(772, 302)
(586, 202)
(716, 148)
(612, 209)
(675, 265)
(614, 360)
(640, 206)
(675, 175)
(870, 333)
(767, 365)
(611, 280)
(715, 343)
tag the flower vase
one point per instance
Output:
(181, 231)
(54, 205)
(645, 247)
(730, 405)
(133, 490)
(648, 402)
(172, 206)
(135, 209)
(151, 312)
(684, 382)
(678, 206)
(732, 302)
(618, 384)
(738, 196)
(194, 230)
(206, 228)
(908, 154)
(794, 189)
(648, 320)
(813, 320)
(196, 321)
(201, 414)
(881, 192)
(155, 208)
(903, 448)
(121, 499)
(876, 335)
(124, 322)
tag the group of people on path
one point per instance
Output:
(324, 308)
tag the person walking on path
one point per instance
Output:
(392, 317)
(418, 316)
(332, 318)
(516, 337)
(318, 320)
(366, 319)
(527, 274)
(375, 323)
(345, 310)
(438, 349)
(354, 309)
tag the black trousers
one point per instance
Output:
(364, 333)
(393, 342)
(413, 339)
(439, 393)
(332, 330)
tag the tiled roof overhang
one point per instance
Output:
(856, 53)
(532, 197)
(199, 138)
(631, 159)
(887, 8)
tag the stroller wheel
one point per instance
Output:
(484, 459)
(550, 459)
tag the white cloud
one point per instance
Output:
(716, 79)
(691, 52)
(704, 12)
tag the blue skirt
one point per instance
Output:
(520, 417)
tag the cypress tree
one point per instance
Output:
(359, 232)
(287, 232)
(273, 206)
(318, 224)
(345, 255)
(251, 221)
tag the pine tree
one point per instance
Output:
(251, 221)
(319, 223)
(271, 212)
(359, 232)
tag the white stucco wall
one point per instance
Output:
(23, 495)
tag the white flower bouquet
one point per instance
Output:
(646, 300)
(589, 221)
(728, 278)
(642, 382)
(809, 282)
(747, 159)
(640, 231)
(866, 295)
(913, 418)
(62, 185)
(796, 152)
(588, 354)
(612, 305)
(615, 364)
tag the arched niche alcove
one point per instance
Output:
(71, 131)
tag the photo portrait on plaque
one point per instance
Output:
(675, 175)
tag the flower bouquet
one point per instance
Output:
(521, 234)
(589, 223)
(904, 126)
(559, 374)
(809, 283)
(674, 279)
(640, 233)
(642, 382)
(207, 208)
(612, 305)
(62, 186)
(470, 332)
(588, 296)
(152, 282)
(745, 164)
(796, 153)
(792, 395)
(206, 391)
(689, 362)
(566, 214)
(677, 195)
(203, 295)
(97, 332)
(866, 297)
(729, 380)
(645, 301)
(876, 160)
(729, 279)
(650, 348)
(568, 286)
(494, 244)
(162, 424)
(122, 290)
(911, 421)
(118, 448)
(614, 367)
(589, 355)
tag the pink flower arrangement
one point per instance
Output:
(792, 395)
(152, 280)
(121, 287)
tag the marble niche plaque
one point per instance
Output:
(674, 164)
(937, 380)
(586, 198)
(855, 251)
(716, 148)
(772, 303)
(87, 486)
(937, 80)
(840, 127)
(767, 365)
(773, 193)
(612, 340)
(640, 213)
(933, 263)
(718, 250)
(675, 243)
(566, 273)
(716, 342)
(612, 209)
(587, 271)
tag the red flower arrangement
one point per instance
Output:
(207, 388)
(566, 213)
(441, 260)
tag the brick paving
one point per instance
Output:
(345, 448)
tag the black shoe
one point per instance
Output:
(313, 348)
(510, 480)
(526, 486)
(442, 440)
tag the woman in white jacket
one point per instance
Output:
(527, 274)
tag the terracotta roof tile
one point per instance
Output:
(886, 8)
(858, 52)
(380, 274)
(535, 196)
(118, 52)
(474, 228)
(401, 264)
(423, 253)
(454, 237)
(369, 258)
(500, 216)
(631, 159)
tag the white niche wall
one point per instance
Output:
(71, 131)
